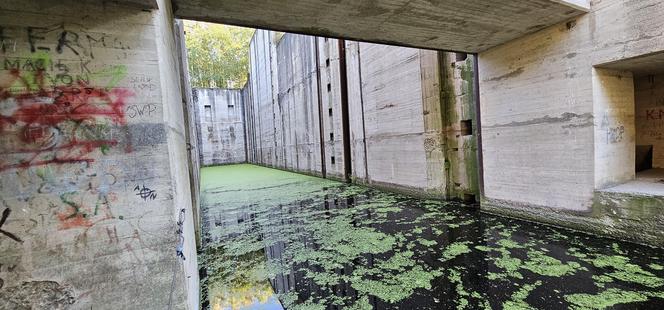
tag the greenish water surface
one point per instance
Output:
(318, 244)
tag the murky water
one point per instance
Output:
(318, 244)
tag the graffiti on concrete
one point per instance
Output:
(615, 134)
(58, 38)
(49, 117)
(3, 219)
(141, 110)
(654, 114)
(145, 193)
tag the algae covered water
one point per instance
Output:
(274, 238)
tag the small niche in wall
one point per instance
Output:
(329, 111)
(329, 87)
(332, 160)
(327, 62)
(331, 136)
(469, 198)
(466, 127)
(208, 112)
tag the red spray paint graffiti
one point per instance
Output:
(63, 124)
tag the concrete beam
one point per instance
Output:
(455, 25)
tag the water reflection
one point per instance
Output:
(334, 246)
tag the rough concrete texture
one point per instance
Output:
(260, 112)
(554, 128)
(393, 93)
(468, 26)
(89, 175)
(330, 85)
(220, 125)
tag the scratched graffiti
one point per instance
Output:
(615, 134)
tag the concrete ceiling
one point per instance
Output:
(652, 64)
(454, 25)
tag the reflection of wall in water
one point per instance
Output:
(475, 263)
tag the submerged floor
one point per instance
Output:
(319, 244)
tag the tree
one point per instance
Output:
(218, 54)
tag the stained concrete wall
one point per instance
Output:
(548, 106)
(393, 112)
(397, 97)
(649, 101)
(93, 159)
(330, 85)
(297, 109)
(261, 89)
(220, 119)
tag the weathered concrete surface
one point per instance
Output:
(468, 26)
(262, 105)
(403, 113)
(298, 113)
(220, 120)
(551, 122)
(92, 159)
(330, 85)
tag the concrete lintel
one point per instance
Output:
(452, 25)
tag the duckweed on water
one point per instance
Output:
(316, 244)
(605, 299)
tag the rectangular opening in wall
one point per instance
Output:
(466, 127)
(329, 111)
(329, 87)
(469, 198)
(208, 113)
(461, 56)
(332, 160)
(649, 114)
(629, 133)
(331, 136)
(327, 62)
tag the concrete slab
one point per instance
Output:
(455, 25)
(649, 182)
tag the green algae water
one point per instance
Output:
(276, 239)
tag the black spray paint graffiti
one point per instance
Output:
(5, 215)
(137, 110)
(179, 250)
(145, 193)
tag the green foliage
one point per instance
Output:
(218, 54)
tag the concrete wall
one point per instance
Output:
(330, 86)
(404, 113)
(220, 119)
(649, 101)
(93, 159)
(297, 114)
(552, 115)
